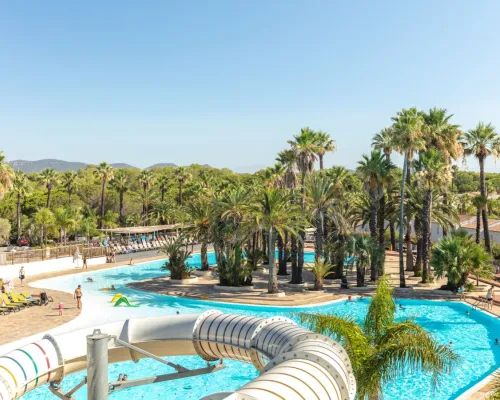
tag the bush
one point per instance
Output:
(176, 264)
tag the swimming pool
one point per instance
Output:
(472, 336)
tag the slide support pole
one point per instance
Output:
(97, 366)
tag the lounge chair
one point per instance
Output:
(8, 303)
(16, 298)
(26, 296)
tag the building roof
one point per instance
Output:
(143, 229)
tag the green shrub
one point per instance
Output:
(176, 264)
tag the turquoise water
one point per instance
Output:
(472, 336)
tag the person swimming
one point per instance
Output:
(401, 306)
(89, 279)
(497, 342)
(112, 287)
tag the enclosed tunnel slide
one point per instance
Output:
(294, 362)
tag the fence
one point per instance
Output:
(50, 253)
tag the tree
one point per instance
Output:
(163, 183)
(65, 219)
(69, 182)
(479, 202)
(383, 348)
(178, 254)
(320, 193)
(374, 170)
(6, 176)
(306, 147)
(199, 212)
(361, 248)
(432, 172)
(21, 188)
(4, 230)
(49, 178)
(44, 220)
(104, 172)
(276, 215)
(407, 139)
(120, 185)
(288, 158)
(325, 145)
(320, 269)
(182, 176)
(457, 256)
(146, 179)
(482, 142)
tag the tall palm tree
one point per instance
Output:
(384, 347)
(166, 212)
(432, 172)
(121, 185)
(325, 145)
(104, 172)
(482, 142)
(66, 219)
(21, 188)
(288, 158)
(374, 171)
(407, 139)
(320, 193)
(6, 176)
(69, 182)
(44, 220)
(49, 178)
(163, 183)
(479, 202)
(276, 215)
(384, 141)
(306, 147)
(199, 212)
(146, 179)
(363, 249)
(182, 176)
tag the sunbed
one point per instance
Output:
(10, 304)
(26, 296)
(16, 298)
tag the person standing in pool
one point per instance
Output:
(78, 296)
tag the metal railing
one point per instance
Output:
(50, 253)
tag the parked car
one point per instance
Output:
(23, 242)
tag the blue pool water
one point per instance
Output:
(472, 336)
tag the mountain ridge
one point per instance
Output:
(28, 166)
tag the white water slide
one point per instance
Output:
(294, 362)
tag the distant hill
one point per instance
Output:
(62, 166)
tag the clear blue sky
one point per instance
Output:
(229, 82)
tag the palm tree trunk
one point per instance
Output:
(321, 166)
(162, 195)
(302, 234)
(122, 222)
(286, 251)
(264, 244)
(484, 211)
(478, 225)
(318, 248)
(49, 190)
(273, 278)
(402, 282)
(418, 264)
(373, 232)
(281, 257)
(179, 198)
(204, 255)
(426, 236)
(102, 202)
(254, 249)
(18, 216)
(360, 275)
(392, 231)
(293, 251)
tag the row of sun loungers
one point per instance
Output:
(14, 302)
(140, 245)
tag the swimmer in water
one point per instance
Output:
(497, 342)
(401, 306)
(467, 312)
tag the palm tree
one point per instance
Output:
(146, 179)
(69, 182)
(120, 184)
(383, 348)
(407, 139)
(384, 141)
(320, 192)
(21, 188)
(182, 176)
(276, 215)
(482, 142)
(49, 178)
(320, 269)
(363, 249)
(374, 170)
(288, 158)
(479, 202)
(325, 145)
(105, 173)
(306, 147)
(166, 212)
(44, 220)
(163, 183)
(432, 172)
(65, 219)
(457, 256)
(6, 176)
(199, 213)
